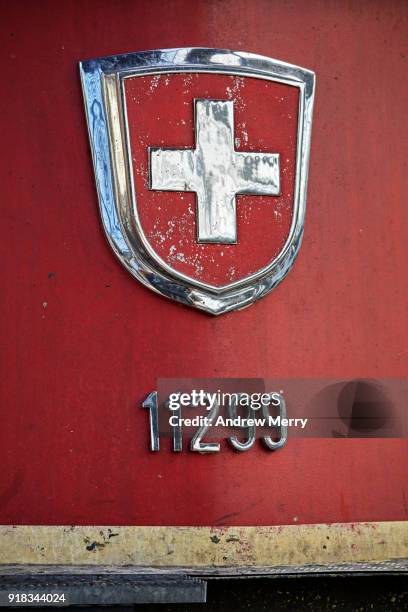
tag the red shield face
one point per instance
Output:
(160, 114)
(201, 160)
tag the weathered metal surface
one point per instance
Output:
(82, 344)
(390, 566)
(201, 547)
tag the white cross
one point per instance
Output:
(215, 171)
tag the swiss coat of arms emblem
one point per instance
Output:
(201, 162)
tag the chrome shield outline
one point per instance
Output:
(103, 88)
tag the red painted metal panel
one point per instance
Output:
(83, 343)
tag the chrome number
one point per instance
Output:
(176, 429)
(206, 447)
(235, 442)
(197, 444)
(177, 433)
(151, 403)
(268, 440)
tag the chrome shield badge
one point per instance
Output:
(201, 161)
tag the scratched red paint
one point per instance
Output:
(160, 114)
(82, 343)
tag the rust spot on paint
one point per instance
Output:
(232, 539)
(95, 545)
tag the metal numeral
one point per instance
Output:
(235, 442)
(267, 440)
(197, 444)
(151, 403)
(206, 447)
